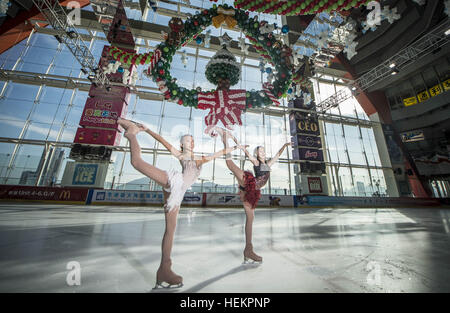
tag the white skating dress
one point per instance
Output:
(180, 182)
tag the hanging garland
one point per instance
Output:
(274, 51)
(130, 58)
(297, 7)
(271, 49)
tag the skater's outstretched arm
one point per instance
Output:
(251, 157)
(175, 152)
(277, 156)
(211, 157)
(226, 134)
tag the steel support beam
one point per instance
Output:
(58, 19)
(422, 47)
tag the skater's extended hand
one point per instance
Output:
(242, 147)
(141, 127)
(131, 128)
(223, 132)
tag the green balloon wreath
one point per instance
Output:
(266, 44)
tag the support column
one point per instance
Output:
(392, 187)
(98, 129)
(307, 146)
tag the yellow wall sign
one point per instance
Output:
(409, 101)
(423, 96)
(435, 90)
(446, 84)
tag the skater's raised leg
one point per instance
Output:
(131, 130)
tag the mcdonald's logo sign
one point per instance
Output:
(64, 195)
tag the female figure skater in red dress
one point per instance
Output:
(250, 185)
(174, 186)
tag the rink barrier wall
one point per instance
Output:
(327, 201)
(129, 197)
(138, 197)
(79, 195)
(70, 195)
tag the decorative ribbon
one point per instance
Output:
(225, 106)
(155, 58)
(267, 87)
(224, 16)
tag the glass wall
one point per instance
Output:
(353, 166)
(36, 114)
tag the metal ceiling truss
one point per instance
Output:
(68, 35)
(422, 47)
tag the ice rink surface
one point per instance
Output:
(304, 250)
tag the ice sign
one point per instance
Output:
(84, 174)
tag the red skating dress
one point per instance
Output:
(251, 192)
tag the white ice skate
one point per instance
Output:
(251, 257)
(165, 286)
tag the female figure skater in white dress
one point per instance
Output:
(250, 185)
(174, 185)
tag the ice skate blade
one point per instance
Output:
(166, 286)
(251, 262)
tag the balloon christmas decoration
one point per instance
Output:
(223, 65)
(269, 48)
(130, 58)
(111, 68)
(225, 104)
(297, 7)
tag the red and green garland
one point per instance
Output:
(266, 44)
(298, 7)
(130, 58)
(272, 50)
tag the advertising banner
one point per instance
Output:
(225, 200)
(84, 174)
(96, 136)
(423, 96)
(412, 136)
(367, 202)
(102, 112)
(302, 124)
(435, 90)
(446, 84)
(409, 101)
(307, 141)
(307, 154)
(315, 185)
(312, 185)
(116, 92)
(138, 197)
(13, 192)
